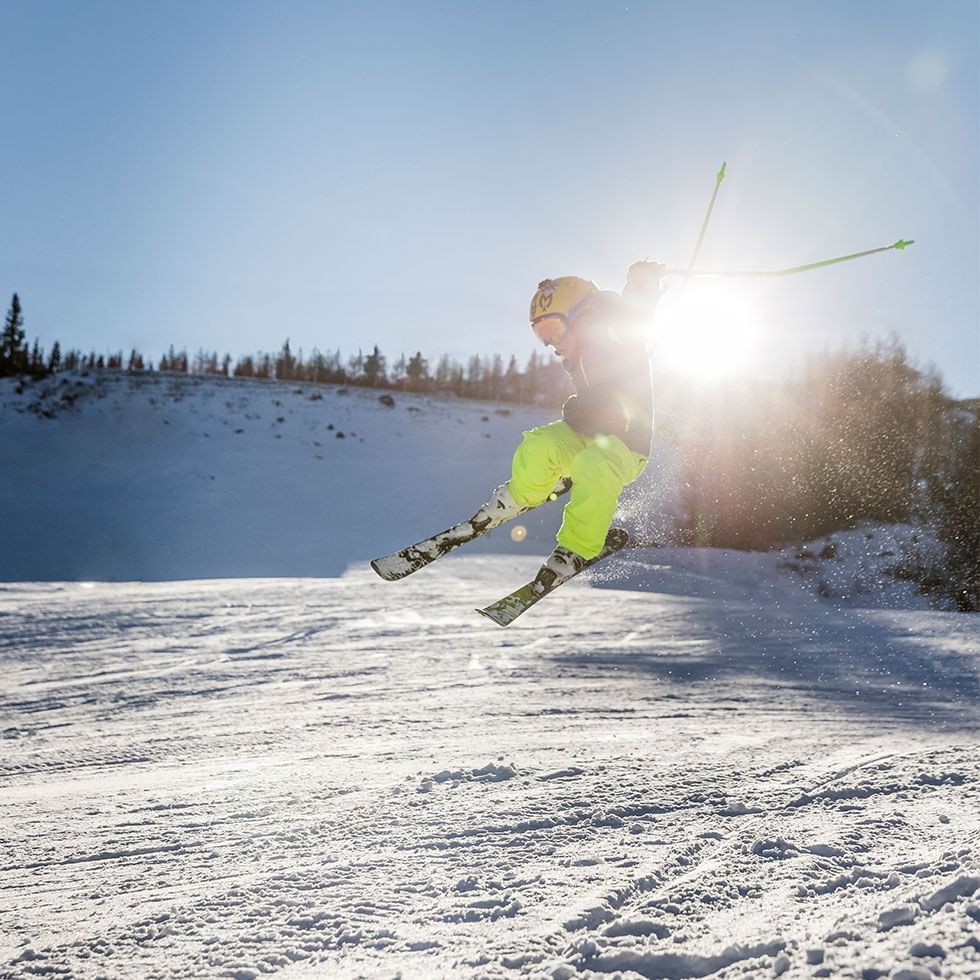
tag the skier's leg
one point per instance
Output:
(545, 455)
(541, 460)
(599, 473)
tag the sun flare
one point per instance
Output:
(708, 329)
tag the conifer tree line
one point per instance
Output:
(481, 377)
(861, 435)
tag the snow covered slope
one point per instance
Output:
(697, 768)
(350, 778)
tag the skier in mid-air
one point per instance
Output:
(600, 445)
(602, 441)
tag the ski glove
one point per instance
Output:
(646, 277)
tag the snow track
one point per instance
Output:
(342, 777)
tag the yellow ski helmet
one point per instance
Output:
(566, 297)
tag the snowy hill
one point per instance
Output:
(170, 477)
(160, 477)
(694, 766)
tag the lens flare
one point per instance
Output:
(518, 532)
(708, 329)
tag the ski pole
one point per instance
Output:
(901, 245)
(719, 177)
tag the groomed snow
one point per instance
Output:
(691, 766)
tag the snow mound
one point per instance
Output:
(876, 566)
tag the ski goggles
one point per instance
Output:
(550, 329)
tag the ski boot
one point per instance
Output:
(500, 508)
(561, 564)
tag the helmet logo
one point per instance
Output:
(544, 298)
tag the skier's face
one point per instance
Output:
(554, 332)
(549, 329)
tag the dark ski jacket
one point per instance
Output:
(613, 388)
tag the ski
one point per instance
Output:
(403, 563)
(504, 611)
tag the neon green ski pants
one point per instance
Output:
(599, 467)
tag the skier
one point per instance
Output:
(602, 441)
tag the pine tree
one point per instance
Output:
(950, 474)
(960, 523)
(445, 372)
(417, 372)
(512, 381)
(316, 370)
(495, 378)
(245, 368)
(355, 366)
(532, 378)
(54, 361)
(457, 383)
(399, 371)
(285, 363)
(474, 378)
(13, 352)
(374, 368)
(36, 364)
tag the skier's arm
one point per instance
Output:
(618, 392)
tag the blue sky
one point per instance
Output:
(228, 174)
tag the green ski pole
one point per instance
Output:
(719, 177)
(900, 245)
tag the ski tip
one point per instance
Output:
(387, 573)
(489, 614)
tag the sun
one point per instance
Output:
(708, 328)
